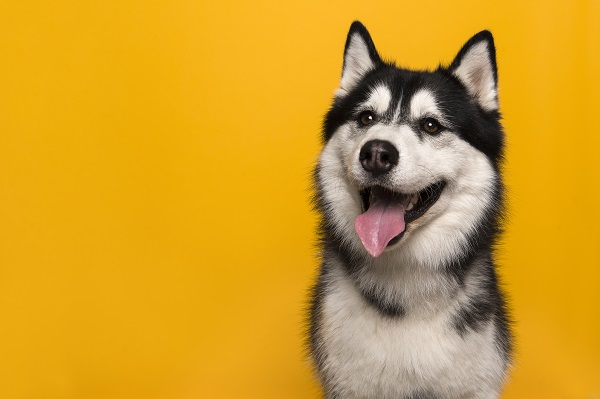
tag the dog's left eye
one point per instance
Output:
(366, 118)
(430, 125)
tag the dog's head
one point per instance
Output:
(410, 162)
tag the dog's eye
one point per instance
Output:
(431, 126)
(366, 118)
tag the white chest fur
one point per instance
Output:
(369, 355)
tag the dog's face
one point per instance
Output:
(410, 162)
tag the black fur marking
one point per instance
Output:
(488, 305)
(503, 320)
(385, 309)
(480, 308)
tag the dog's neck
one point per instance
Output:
(397, 286)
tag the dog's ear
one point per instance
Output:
(475, 67)
(360, 56)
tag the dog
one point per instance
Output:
(407, 303)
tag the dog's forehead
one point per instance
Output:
(400, 98)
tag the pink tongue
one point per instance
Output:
(383, 221)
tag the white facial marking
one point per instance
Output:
(397, 110)
(423, 103)
(379, 100)
(476, 72)
(357, 62)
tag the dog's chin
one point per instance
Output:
(420, 203)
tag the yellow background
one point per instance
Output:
(156, 238)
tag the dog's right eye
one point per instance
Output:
(366, 118)
(431, 126)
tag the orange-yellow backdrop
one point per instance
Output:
(156, 238)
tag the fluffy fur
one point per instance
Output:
(426, 318)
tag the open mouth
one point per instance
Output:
(386, 214)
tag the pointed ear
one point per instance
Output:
(475, 67)
(360, 56)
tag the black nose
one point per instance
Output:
(378, 156)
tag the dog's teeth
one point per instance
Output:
(414, 199)
(410, 206)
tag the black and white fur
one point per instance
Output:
(426, 319)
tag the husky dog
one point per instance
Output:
(407, 303)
